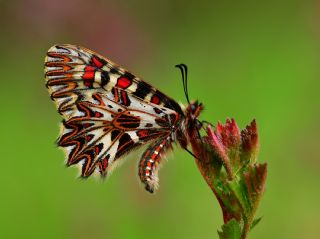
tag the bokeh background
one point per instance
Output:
(247, 59)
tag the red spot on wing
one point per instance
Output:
(90, 68)
(143, 133)
(97, 62)
(97, 150)
(123, 82)
(88, 75)
(86, 125)
(124, 97)
(97, 114)
(88, 78)
(88, 83)
(89, 137)
(155, 99)
(104, 163)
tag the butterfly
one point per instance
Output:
(108, 112)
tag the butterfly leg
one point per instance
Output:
(150, 161)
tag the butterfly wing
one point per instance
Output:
(107, 111)
(71, 69)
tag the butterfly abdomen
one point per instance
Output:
(150, 162)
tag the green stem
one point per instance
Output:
(245, 231)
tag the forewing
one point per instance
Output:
(72, 69)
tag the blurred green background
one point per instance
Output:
(247, 59)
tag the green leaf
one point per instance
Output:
(254, 182)
(255, 222)
(231, 230)
(240, 192)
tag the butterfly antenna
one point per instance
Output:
(184, 72)
(186, 81)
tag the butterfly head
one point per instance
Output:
(193, 110)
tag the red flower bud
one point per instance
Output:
(250, 142)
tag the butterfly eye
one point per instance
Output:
(193, 108)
